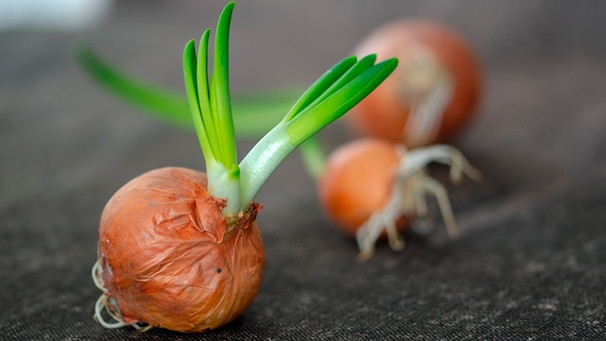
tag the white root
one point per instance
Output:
(425, 117)
(97, 275)
(105, 306)
(427, 88)
(409, 192)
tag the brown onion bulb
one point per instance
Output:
(357, 181)
(373, 188)
(169, 258)
(433, 92)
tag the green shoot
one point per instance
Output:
(211, 112)
(163, 104)
(331, 96)
(335, 93)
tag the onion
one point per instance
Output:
(357, 181)
(370, 188)
(432, 94)
(167, 258)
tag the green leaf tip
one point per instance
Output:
(343, 93)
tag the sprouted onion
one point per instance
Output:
(434, 92)
(371, 187)
(180, 249)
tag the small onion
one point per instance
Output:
(357, 181)
(371, 188)
(433, 92)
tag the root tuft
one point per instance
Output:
(107, 313)
(408, 197)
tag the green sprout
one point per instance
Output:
(331, 96)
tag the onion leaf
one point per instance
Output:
(163, 104)
(211, 112)
(327, 99)
(338, 101)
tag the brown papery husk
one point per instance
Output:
(168, 257)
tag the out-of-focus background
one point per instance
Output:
(529, 263)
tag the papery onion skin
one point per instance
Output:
(167, 259)
(384, 113)
(357, 181)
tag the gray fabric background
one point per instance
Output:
(529, 263)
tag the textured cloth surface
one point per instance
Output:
(530, 259)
